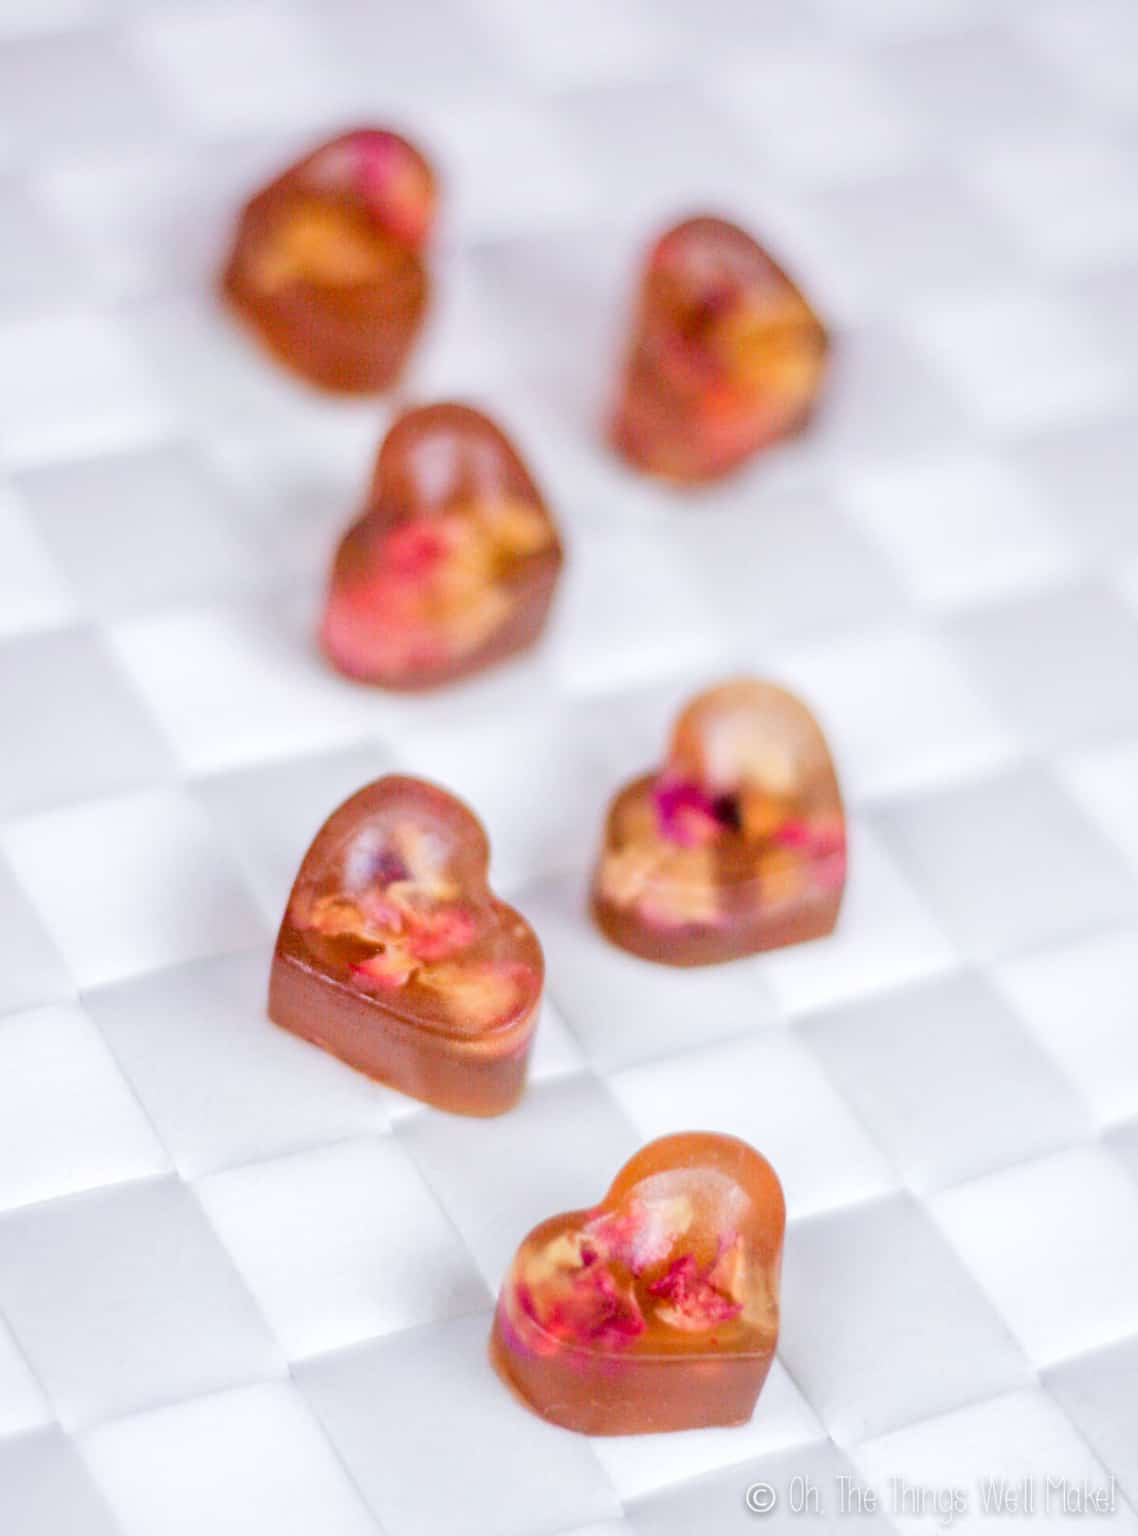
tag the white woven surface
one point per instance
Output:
(243, 1290)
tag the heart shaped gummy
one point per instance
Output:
(737, 844)
(453, 564)
(658, 1309)
(327, 263)
(726, 355)
(395, 955)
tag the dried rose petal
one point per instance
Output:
(386, 971)
(477, 995)
(434, 589)
(642, 1234)
(589, 1307)
(435, 935)
(396, 183)
(688, 814)
(692, 1301)
(823, 843)
(406, 909)
(415, 550)
(333, 915)
(728, 1274)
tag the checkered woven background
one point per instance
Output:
(243, 1290)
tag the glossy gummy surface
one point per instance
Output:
(395, 955)
(726, 355)
(736, 844)
(328, 261)
(657, 1309)
(452, 566)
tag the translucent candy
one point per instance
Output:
(395, 955)
(453, 564)
(327, 265)
(658, 1309)
(737, 844)
(726, 355)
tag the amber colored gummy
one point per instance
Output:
(726, 356)
(327, 265)
(395, 955)
(657, 1309)
(735, 845)
(452, 567)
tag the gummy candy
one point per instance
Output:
(726, 355)
(395, 955)
(453, 564)
(736, 844)
(327, 265)
(658, 1309)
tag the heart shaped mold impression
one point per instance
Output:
(452, 566)
(736, 844)
(657, 1309)
(395, 955)
(327, 264)
(726, 356)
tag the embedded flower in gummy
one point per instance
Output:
(691, 1299)
(395, 955)
(453, 564)
(328, 262)
(736, 844)
(726, 356)
(657, 1310)
(395, 182)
